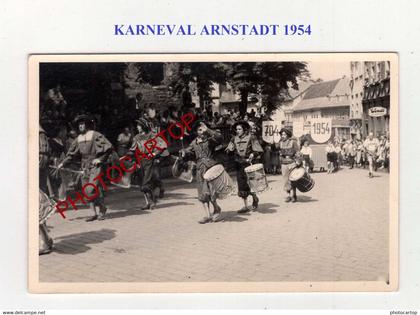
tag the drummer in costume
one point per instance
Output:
(148, 178)
(246, 148)
(155, 127)
(44, 152)
(202, 149)
(93, 149)
(290, 158)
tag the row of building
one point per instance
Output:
(357, 105)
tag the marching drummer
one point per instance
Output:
(94, 150)
(246, 149)
(44, 151)
(202, 148)
(148, 177)
(290, 157)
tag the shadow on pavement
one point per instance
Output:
(170, 195)
(116, 214)
(78, 243)
(172, 204)
(233, 216)
(122, 214)
(301, 198)
(266, 208)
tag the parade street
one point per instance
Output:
(336, 232)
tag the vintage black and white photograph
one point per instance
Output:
(213, 173)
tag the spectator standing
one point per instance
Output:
(124, 142)
(306, 152)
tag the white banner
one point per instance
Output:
(271, 131)
(321, 129)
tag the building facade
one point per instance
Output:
(376, 97)
(370, 85)
(284, 111)
(356, 108)
(329, 99)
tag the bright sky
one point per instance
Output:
(328, 70)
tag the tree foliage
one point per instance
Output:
(269, 79)
(202, 74)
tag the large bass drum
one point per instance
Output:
(301, 179)
(257, 180)
(219, 181)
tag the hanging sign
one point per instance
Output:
(377, 111)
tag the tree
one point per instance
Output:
(275, 80)
(244, 79)
(270, 79)
(203, 74)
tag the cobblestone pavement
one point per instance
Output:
(337, 231)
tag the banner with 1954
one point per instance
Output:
(321, 129)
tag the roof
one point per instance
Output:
(302, 87)
(322, 89)
(329, 94)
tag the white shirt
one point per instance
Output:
(306, 151)
(371, 145)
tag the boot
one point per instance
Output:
(255, 201)
(161, 192)
(217, 214)
(102, 211)
(150, 203)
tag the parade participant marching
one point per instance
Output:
(44, 151)
(148, 179)
(94, 149)
(246, 149)
(202, 150)
(290, 158)
(371, 145)
(154, 125)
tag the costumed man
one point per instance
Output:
(148, 179)
(202, 149)
(44, 200)
(155, 127)
(93, 149)
(246, 149)
(290, 158)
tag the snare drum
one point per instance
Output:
(301, 179)
(46, 207)
(219, 181)
(257, 180)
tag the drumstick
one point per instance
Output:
(67, 169)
